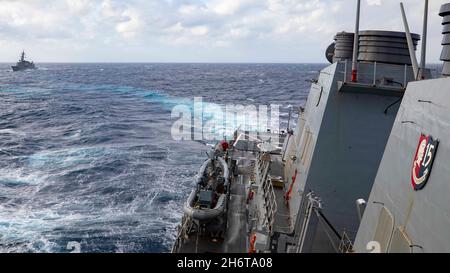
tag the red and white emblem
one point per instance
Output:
(423, 161)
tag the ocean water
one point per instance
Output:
(86, 153)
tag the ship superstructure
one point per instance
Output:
(409, 210)
(23, 64)
(307, 191)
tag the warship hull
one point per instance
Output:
(16, 68)
(370, 132)
(23, 64)
(402, 215)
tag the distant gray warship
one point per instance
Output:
(22, 64)
(374, 128)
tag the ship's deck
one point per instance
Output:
(235, 237)
(283, 218)
(237, 233)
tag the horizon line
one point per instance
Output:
(130, 62)
(87, 62)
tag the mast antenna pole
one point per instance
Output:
(423, 56)
(356, 44)
(412, 52)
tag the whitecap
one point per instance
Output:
(11, 132)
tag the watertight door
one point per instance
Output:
(384, 230)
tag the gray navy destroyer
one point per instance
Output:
(364, 170)
(23, 64)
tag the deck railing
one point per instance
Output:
(373, 76)
(346, 245)
(270, 204)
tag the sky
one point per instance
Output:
(255, 31)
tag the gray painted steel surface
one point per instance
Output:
(423, 215)
(385, 47)
(343, 46)
(445, 56)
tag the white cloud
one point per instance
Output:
(188, 9)
(199, 30)
(79, 6)
(210, 30)
(228, 7)
(179, 29)
(374, 2)
(131, 25)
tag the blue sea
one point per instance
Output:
(87, 156)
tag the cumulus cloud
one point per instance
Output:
(230, 7)
(131, 25)
(192, 30)
(374, 2)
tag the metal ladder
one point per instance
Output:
(268, 194)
